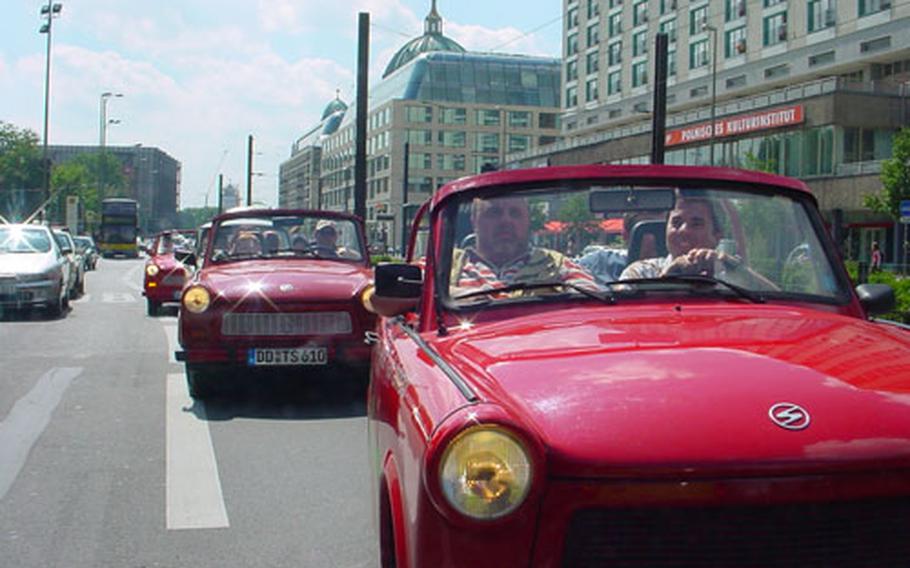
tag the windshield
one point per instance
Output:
(19, 240)
(564, 242)
(286, 236)
(118, 234)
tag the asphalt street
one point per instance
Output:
(106, 461)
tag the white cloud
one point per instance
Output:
(507, 39)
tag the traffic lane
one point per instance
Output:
(92, 486)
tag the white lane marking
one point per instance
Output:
(118, 298)
(172, 346)
(27, 420)
(194, 498)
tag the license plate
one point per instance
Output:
(289, 356)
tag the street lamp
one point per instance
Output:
(104, 121)
(49, 11)
(705, 26)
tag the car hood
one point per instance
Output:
(287, 280)
(610, 391)
(26, 263)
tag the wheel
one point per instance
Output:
(80, 288)
(198, 382)
(152, 307)
(58, 308)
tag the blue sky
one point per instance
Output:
(198, 76)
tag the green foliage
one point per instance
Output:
(901, 287)
(895, 178)
(20, 172)
(384, 258)
(192, 217)
(73, 178)
(575, 210)
(753, 162)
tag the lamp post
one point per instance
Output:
(102, 135)
(49, 11)
(708, 27)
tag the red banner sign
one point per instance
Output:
(736, 125)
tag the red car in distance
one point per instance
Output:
(166, 269)
(704, 387)
(277, 289)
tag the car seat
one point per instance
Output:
(657, 228)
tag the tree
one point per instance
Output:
(20, 172)
(895, 178)
(192, 217)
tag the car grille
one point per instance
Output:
(866, 534)
(310, 323)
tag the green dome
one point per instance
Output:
(431, 40)
(336, 105)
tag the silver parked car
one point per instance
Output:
(76, 260)
(89, 251)
(33, 269)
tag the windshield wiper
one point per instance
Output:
(608, 298)
(753, 297)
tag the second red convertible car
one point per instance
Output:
(702, 387)
(277, 288)
(166, 270)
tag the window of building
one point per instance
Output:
(593, 35)
(593, 61)
(671, 63)
(593, 119)
(487, 142)
(450, 162)
(614, 82)
(453, 116)
(593, 8)
(482, 163)
(867, 7)
(774, 29)
(615, 3)
(572, 18)
(640, 13)
(547, 120)
(769, 3)
(777, 71)
(519, 143)
(571, 97)
(698, 92)
(519, 119)
(697, 18)
(640, 43)
(736, 82)
(420, 185)
(735, 42)
(571, 70)
(591, 89)
(821, 59)
(571, 45)
(420, 161)
(875, 44)
(488, 117)
(615, 24)
(669, 28)
(734, 9)
(419, 114)
(698, 54)
(420, 137)
(614, 53)
(822, 14)
(667, 6)
(451, 138)
(639, 74)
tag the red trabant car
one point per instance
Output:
(166, 269)
(702, 387)
(277, 288)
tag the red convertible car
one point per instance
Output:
(166, 270)
(276, 288)
(702, 387)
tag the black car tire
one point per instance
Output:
(152, 307)
(58, 308)
(199, 382)
(80, 288)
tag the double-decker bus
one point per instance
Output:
(119, 227)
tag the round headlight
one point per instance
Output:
(197, 299)
(485, 473)
(152, 269)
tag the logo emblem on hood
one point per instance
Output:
(286, 287)
(789, 416)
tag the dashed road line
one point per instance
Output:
(28, 419)
(194, 497)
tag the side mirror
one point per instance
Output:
(876, 298)
(66, 249)
(396, 290)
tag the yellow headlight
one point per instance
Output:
(196, 299)
(152, 269)
(485, 473)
